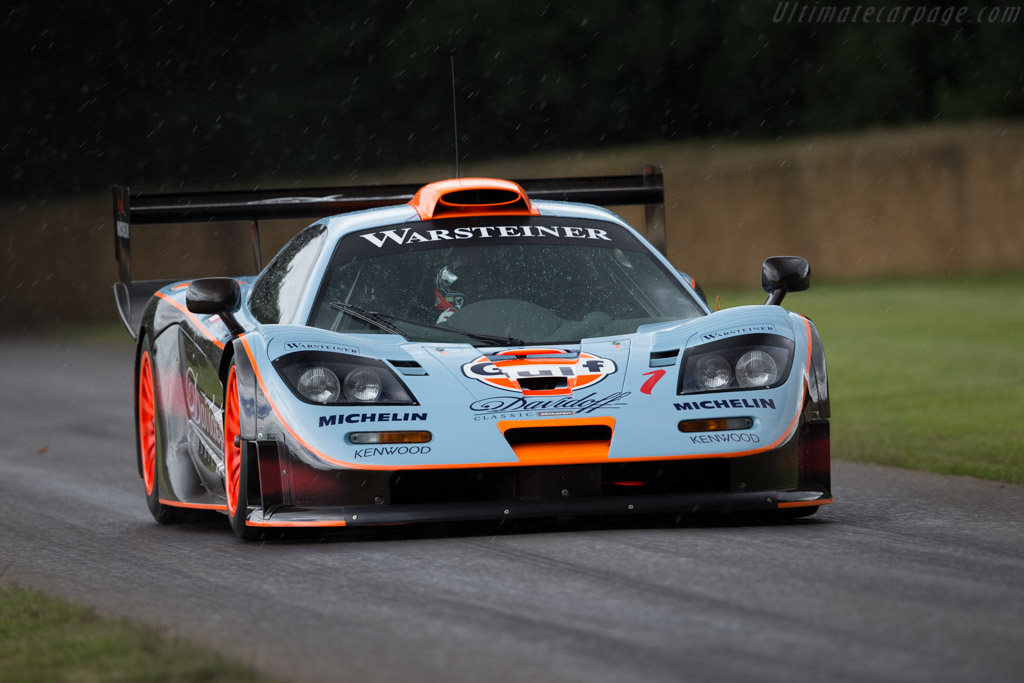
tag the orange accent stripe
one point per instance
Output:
(183, 285)
(191, 316)
(805, 503)
(193, 506)
(807, 329)
(273, 406)
(296, 524)
(796, 418)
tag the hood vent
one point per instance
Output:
(663, 359)
(530, 384)
(408, 367)
(472, 197)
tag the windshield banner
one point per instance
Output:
(479, 231)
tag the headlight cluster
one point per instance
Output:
(337, 378)
(755, 361)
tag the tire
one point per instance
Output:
(146, 435)
(236, 464)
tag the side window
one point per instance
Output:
(277, 292)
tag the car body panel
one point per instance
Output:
(474, 402)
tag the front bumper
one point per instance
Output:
(289, 493)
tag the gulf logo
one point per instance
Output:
(539, 372)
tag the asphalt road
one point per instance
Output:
(908, 577)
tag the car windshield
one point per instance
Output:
(542, 280)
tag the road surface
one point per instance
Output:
(908, 577)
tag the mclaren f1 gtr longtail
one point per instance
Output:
(469, 349)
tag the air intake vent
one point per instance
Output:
(472, 197)
(559, 441)
(480, 196)
(408, 367)
(543, 383)
(521, 435)
(662, 359)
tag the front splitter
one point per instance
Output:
(686, 503)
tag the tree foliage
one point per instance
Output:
(232, 92)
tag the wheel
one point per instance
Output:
(236, 467)
(146, 439)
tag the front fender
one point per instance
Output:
(817, 377)
(249, 396)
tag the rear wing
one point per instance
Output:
(130, 210)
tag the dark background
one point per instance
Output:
(163, 94)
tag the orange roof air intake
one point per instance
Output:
(472, 197)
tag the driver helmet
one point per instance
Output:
(461, 281)
(447, 295)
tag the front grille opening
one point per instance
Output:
(672, 476)
(444, 486)
(561, 482)
(521, 435)
(543, 383)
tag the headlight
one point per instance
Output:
(341, 379)
(751, 361)
(756, 368)
(363, 385)
(713, 372)
(319, 384)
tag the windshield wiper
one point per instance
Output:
(371, 317)
(383, 321)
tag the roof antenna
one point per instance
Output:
(455, 119)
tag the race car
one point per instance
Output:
(468, 349)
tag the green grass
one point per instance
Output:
(44, 639)
(925, 374)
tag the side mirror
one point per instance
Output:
(215, 295)
(783, 274)
(209, 295)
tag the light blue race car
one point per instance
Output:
(468, 349)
